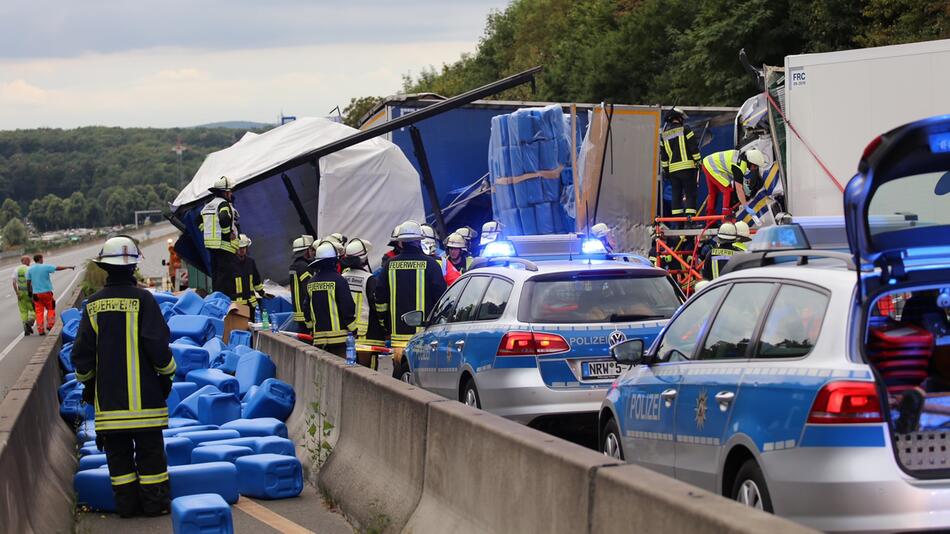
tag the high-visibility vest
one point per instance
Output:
(357, 280)
(21, 279)
(299, 274)
(214, 235)
(720, 166)
(719, 257)
(678, 157)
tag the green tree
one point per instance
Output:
(9, 210)
(75, 210)
(358, 107)
(14, 233)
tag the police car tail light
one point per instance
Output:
(531, 344)
(846, 402)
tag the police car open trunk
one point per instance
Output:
(897, 210)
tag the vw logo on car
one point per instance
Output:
(616, 337)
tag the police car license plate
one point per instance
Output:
(602, 369)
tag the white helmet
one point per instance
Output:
(429, 246)
(409, 231)
(170, 241)
(727, 232)
(358, 248)
(490, 232)
(335, 241)
(468, 233)
(427, 231)
(755, 157)
(244, 241)
(222, 184)
(742, 231)
(599, 230)
(455, 240)
(302, 243)
(339, 237)
(119, 250)
(324, 250)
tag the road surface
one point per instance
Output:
(16, 350)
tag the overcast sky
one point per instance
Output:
(70, 63)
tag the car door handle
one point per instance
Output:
(725, 398)
(459, 344)
(668, 395)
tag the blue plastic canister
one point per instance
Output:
(204, 513)
(219, 453)
(198, 328)
(188, 407)
(218, 408)
(269, 476)
(214, 377)
(273, 398)
(188, 358)
(178, 450)
(94, 489)
(264, 426)
(253, 369)
(211, 477)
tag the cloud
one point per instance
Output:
(20, 92)
(168, 87)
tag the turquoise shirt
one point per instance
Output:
(38, 275)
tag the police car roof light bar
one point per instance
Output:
(505, 261)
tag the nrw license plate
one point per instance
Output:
(602, 369)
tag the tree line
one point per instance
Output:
(668, 51)
(97, 176)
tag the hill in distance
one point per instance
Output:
(236, 125)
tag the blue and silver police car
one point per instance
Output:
(528, 339)
(814, 384)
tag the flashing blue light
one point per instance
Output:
(499, 249)
(593, 246)
(940, 143)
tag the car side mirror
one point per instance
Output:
(629, 352)
(413, 318)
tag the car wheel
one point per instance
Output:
(749, 487)
(470, 394)
(610, 441)
(403, 372)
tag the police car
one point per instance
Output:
(814, 384)
(528, 339)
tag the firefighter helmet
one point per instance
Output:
(755, 157)
(455, 240)
(727, 232)
(491, 231)
(409, 231)
(302, 243)
(742, 231)
(119, 250)
(222, 184)
(427, 231)
(358, 248)
(324, 250)
(600, 230)
(676, 113)
(468, 233)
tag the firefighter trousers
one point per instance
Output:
(683, 183)
(222, 272)
(139, 472)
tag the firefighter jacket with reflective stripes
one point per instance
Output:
(411, 281)
(363, 284)
(680, 150)
(726, 167)
(331, 305)
(219, 225)
(121, 349)
(247, 281)
(299, 276)
(718, 256)
(21, 282)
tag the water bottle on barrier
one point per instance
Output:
(265, 322)
(257, 316)
(350, 349)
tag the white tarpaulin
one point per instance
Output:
(364, 190)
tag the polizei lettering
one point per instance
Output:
(645, 407)
(589, 340)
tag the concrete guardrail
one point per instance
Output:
(37, 449)
(406, 460)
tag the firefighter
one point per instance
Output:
(457, 259)
(430, 245)
(601, 232)
(332, 309)
(470, 235)
(219, 224)
(727, 171)
(248, 285)
(743, 236)
(411, 281)
(24, 295)
(122, 358)
(395, 248)
(369, 331)
(679, 159)
(491, 231)
(299, 275)
(718, 253)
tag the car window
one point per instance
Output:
(597, 299)
(467, 305)
(793, 324)
(495, 299)
(735, 322)
(681, 336)
(444, 309)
